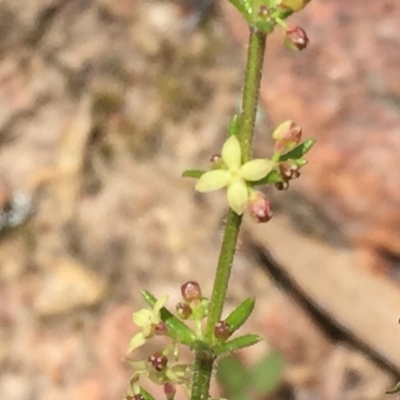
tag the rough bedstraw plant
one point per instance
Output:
(236, 171)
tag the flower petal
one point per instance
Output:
(255, 170)
(238, 196)
(137, 341)
(231, 153)
(139, 368)
(142, 317)
(160, 303)
(179, 373)
(213, 180)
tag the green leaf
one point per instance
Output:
(236, 344)
(233, 376)
(193, 173)
(240, 314)
(299, 151)
(268, 372)
(233, 128)
(240, 5)
(176, 328)
(396, 389)
(146, 395)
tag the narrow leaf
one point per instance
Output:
(240, 314)
(236, 344)
(299, 151)
(176, 328)
(193, 173)
(268, 372)
(233, 128)
(241, 7)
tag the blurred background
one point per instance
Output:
(104, 103)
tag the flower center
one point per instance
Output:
(234, 174)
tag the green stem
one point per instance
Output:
(227, 252)
(251, 93)
(201, 376)
(255, 58)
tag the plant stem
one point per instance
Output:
(251, 93)
(255, 58)
(201, 376)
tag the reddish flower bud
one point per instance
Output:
(160, 329)
(184, 311)
(289, 170)
(286, 136)
(282, 185)
(169, 390)
(191, 291)
(138, 396)
(158, 361)
(259, 207)
(296, 38)
(222, 330)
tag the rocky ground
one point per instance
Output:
(103, 105)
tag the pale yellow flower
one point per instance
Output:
(147, 320)
(234, 175)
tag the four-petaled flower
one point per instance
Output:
(234, 175)
(179, 374)
(147, 320)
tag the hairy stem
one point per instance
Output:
(201, 376)
(255, 58)
(251, 93)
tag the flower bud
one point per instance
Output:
(282, 185)
(215, 158)
(216, 161)
(296, 38)
(286, 136)
(169, 390)
(138, 396)
(184, 311)
(191, 291)
(158, 361)
(222, 330)
(294, 5)
(288, 171)
(160, 329)
(259, 207)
